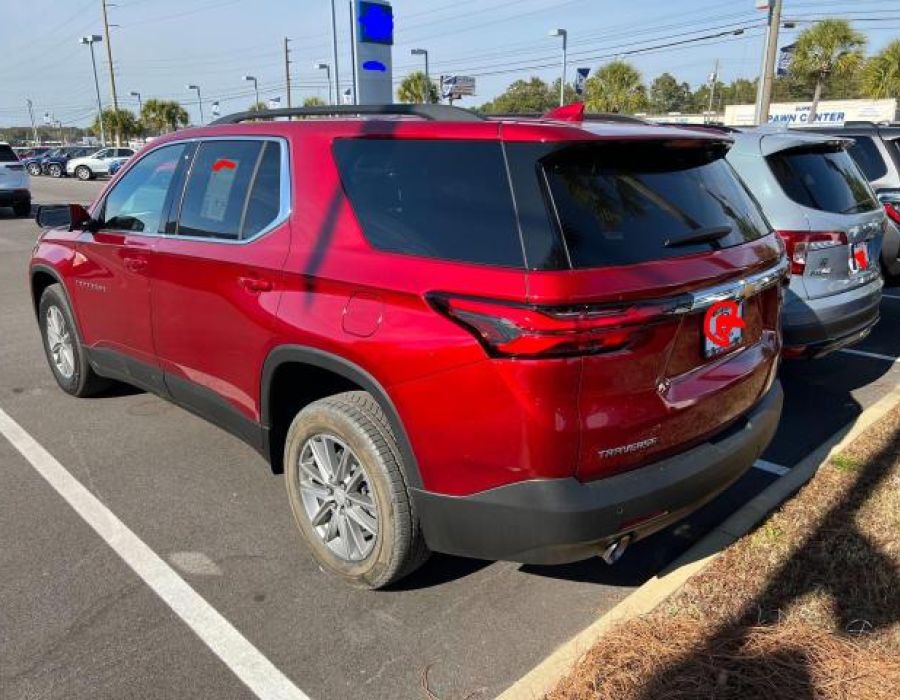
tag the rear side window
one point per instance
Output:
(440, 199)
(824, 180)
(621, 204)
(867, 156)
(7, 154)
(233, 190)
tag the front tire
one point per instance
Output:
(63, 348)
(83, 173)
(55, 170)
(348, 494)
(34, 169)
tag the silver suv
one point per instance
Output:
(832, 224)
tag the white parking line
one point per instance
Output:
(241, 657)
(771, 467)
(872, 355)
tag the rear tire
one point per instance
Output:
(55, 170)
(83, 172)
(22, 209)
(353, 428)
(63, 348)
(34, 169)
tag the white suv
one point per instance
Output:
(15, 183)
(88, 167)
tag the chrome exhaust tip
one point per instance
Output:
(614, 551)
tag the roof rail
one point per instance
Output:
(588, 116)
(444, 113)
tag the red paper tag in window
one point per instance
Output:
(223, 164)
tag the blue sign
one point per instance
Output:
(376, 23)
(374, 65)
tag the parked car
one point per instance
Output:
(32, 152)
(15, 185)
(466, 335)
(55, 164)
(33, 163)
(88, 167)
(832, 225)
(876, 150)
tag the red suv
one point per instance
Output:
(476, 336)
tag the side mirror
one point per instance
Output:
(73, 216)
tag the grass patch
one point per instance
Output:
(806, 606)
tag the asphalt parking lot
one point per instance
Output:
(77, 622)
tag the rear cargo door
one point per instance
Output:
(655, 233)
(841, 248)
(12, 173)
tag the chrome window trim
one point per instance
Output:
(285, 193)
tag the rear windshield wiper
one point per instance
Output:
(701, 235)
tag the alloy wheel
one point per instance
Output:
(337, 497)
(59, 341)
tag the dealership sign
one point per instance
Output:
(828, 112)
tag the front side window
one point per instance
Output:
(822, 179)
(102, 154)
(628, 203)
(136, 202)
(232, 191)
(440, 199)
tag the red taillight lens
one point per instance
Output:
(799, 243)
(530, 331)
(893, 211)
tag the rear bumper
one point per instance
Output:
(9, 198)
(554, 521)
(816, 327)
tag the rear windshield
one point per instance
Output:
(440, 199)
(620, 204)
(825, 180)
(7, 154)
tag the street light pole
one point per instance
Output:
(255, 87)
(90, 41)
(327, 69)
(34, 131)
(424, 52)
(562, 83)
(764, 91)
(199, 100)
(334, 56)
(140, 104)
(713, 79)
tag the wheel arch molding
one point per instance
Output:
(300, 355)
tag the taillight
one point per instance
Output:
(513, 330)
(893, 211)
(799, 243)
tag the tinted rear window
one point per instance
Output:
(868, 157)
(618, 204)
(440, 199)
(824, 180)
(7, 154)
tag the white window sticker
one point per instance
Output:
(218, 189)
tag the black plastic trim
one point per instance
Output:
(300, 354)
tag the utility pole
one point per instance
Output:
(287, 70)
(764, 91)
(713, 79)
(112, 73)
(34, 132)
(334, 57)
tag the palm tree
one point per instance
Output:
(313, 102)
(881, 77)
(416, 89)
(163, 115)
(258, 107)
(616, 87)
(121, 123)
(830, 48)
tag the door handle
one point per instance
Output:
(255, 284)
(135, 264)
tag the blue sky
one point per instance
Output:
(162, 45)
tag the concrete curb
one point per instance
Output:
(544, 677)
